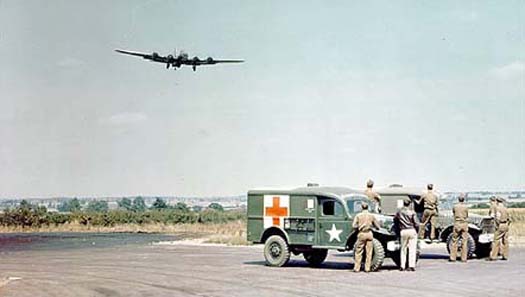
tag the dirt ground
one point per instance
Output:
(197, 270)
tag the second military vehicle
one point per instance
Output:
(481, 228)
(312, 220)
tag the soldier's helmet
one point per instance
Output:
(492, 198)
(430, 186)
(500, 199)
(370, 183)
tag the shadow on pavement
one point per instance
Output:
(325, 265)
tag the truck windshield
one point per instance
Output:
(354, 204)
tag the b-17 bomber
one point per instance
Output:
(177, 61)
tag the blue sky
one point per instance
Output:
(407, 92)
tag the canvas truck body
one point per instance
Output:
(310, 221)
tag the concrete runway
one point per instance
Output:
(193, 270)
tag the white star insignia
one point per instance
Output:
(334, 233)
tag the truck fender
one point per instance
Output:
(472, 229)
(274, 230)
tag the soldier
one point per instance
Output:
(408, 224)
(364, 222)
(460, 212)
(502, 220)
(373, 195)
(493, 204)
(430, 201)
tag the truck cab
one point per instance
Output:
(310, 221)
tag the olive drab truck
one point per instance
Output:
(312, 220)
(481, 228)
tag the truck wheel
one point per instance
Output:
(471, 245)
(483, 250)
(378, 255)
(315, 257)
(276, 251)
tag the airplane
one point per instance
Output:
(176, 61)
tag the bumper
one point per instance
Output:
(393, 246)
(486, 238)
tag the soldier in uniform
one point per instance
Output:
(501, 236)
(430, 201)
(364, 222)
(493, 204)
(373, 195)
(408, 224)
(460, 212)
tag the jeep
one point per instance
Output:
(312, 220)
(481, 228)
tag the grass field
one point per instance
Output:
(231, 233)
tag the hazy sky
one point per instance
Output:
(331, 92)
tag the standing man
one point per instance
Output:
(501, 236)
(364, 222)
(408, 224)
(430, 201)
(373, 195)
(493, 205)
(460, 211)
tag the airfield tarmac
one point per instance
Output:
(201, 270)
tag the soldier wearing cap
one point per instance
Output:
(460, 230)
(430, 201)
(408, 224)
(493, 204)
(501, 236)
(364, 222)
(373, 195)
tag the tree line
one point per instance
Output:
(97, 213)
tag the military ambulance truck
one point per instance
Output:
(312, 220)
(481, 228)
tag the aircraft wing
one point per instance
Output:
(213, 61)
(151, 57)
(228, 61)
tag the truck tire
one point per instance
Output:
(471, 244)
(483, 250)
(378, 255)
(276, 251)
(315, 257)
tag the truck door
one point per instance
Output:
(333, 224)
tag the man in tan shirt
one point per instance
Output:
(493, 205)
(373, 195)
(364, 222)
(501, 236)
(460, 211)
(430, 201)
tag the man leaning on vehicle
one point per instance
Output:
(430, 202)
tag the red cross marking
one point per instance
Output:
(276, 211)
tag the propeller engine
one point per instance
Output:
(169, 61)
(195, 61)
(210, 60)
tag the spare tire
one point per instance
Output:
(378, 255)
(471, 245)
